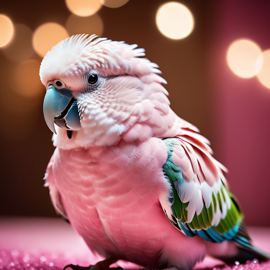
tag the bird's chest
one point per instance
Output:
(107, 192)
(106, 179)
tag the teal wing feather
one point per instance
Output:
(201, 223)
(218, 219)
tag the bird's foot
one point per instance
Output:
(76, 267)
(103, 265)
(90, 267)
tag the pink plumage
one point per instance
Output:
(108, 178)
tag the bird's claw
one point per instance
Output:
(77, 267)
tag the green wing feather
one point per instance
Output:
(203, 221)
(229, 228)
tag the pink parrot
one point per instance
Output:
(137, 182)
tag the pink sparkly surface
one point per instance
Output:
(44, 243)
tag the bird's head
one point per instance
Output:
(99, 91)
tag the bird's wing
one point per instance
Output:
(54, 193)
(199, 201)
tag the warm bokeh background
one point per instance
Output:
(232, 112)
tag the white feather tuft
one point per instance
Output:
(79, 54)
(199, 194)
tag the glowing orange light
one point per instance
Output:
(242, 56)
(84, 25)
(174, 20)
(83, 8)
(20, 48)
(25, 79)
(6, 30)
(113, 3)
(46, 36)
(264, 73)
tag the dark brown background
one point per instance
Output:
(202, 90)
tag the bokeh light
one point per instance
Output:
(20, 116)
(25, 80)
(174, 20)
(113, 3)
(242, 56)
(46, 36)
(20, 48)
(264, 73)
(83, 8)
(6, 30)
(84, 25)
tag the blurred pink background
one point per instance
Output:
(230, 111)
(242, 132)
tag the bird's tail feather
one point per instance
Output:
(255, 252)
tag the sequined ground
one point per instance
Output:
(21, 260)
(249, 265)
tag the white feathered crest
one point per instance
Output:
(78, 54)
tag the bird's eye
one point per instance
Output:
(58, 83)
(93, 78)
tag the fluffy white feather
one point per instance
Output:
(78, 54)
